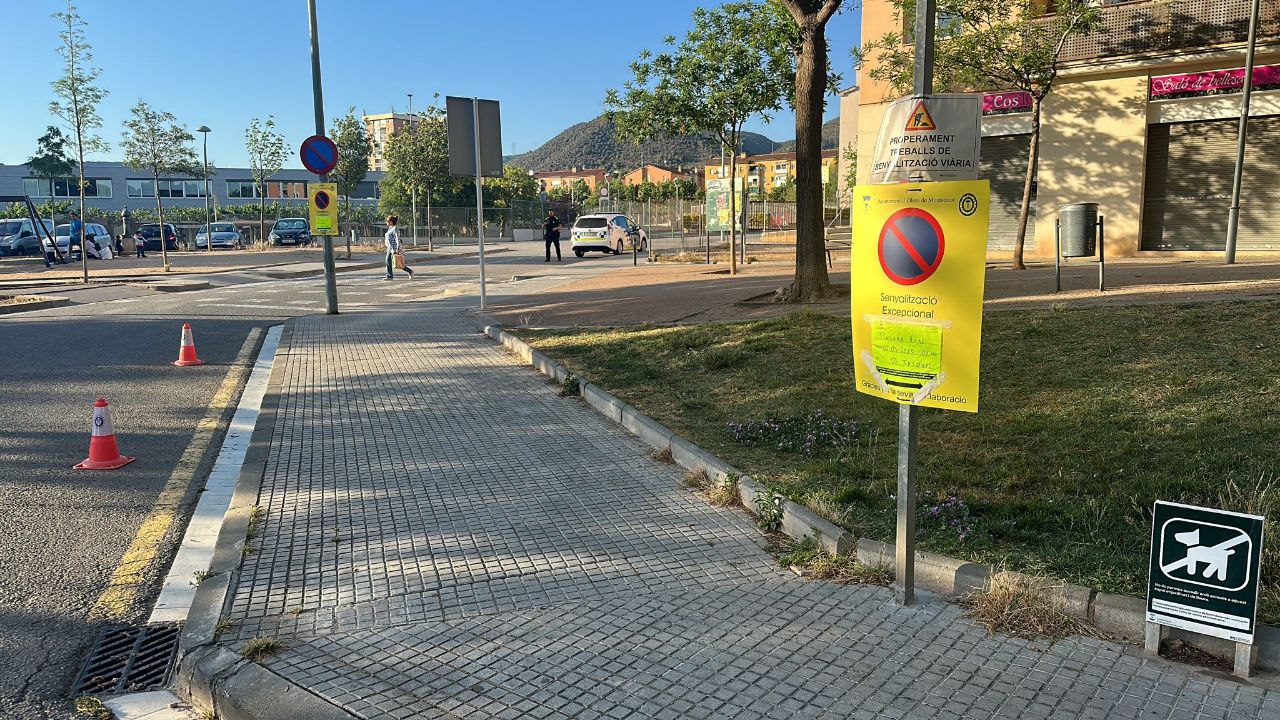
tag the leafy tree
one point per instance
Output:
(786, 192)
(992, 44)
(354, 147)
(51, 160)
(734, 64)
(515, 184)
(808, 40)
(418, 159)
(266, 158)
(77, 98)
(154, 142)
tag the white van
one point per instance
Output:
(18, 236)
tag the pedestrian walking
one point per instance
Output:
(551, 234)
(139, 245)
(394, 255)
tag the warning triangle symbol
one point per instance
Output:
(920, 119)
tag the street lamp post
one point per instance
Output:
(208, 235)
(413, 187)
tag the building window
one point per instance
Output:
(66, 187)
(780, 167)
(141, 188)
(241, 189)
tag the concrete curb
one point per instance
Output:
(1118, 615)
(45, 302)
(291, 274)
(211, 676)
(178, 286)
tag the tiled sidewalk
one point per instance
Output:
(445, 537)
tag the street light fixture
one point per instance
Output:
(208, 236)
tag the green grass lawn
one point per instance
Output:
(1087, 417)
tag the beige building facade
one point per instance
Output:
(1142, 121)
(380, 128)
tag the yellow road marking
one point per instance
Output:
(130, 576)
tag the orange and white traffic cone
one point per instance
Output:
(103, 452)
(187, 352)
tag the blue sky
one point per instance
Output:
(225, 61)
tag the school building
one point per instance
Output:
(1142, 120)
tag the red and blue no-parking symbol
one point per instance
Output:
(911, 246)
(322, 200)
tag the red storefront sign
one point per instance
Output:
(1013, 101)
(1214, 81)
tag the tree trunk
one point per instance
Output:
(262, 213)
(84, 251)
(811, 280)
(350, 225)
(1033, 159)
(733, 206)
(164, 239)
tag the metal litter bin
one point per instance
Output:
(1081, 232)
(1079, 229)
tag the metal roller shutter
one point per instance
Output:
(1004, 163)
(1188, 186)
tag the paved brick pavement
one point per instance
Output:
(445, 537)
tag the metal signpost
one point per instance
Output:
(474, 128)
(919, 269)
(1204, 576)
(322, 153)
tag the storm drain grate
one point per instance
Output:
(129, 659)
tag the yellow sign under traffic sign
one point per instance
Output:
(322, 204)
(918, 272)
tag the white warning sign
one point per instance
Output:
(924, 139)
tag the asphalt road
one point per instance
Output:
(63, 532)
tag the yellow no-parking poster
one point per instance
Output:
(918, 272)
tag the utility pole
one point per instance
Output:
(317, 94)
(413, 188)
(1242, 134)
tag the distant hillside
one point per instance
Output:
(592, 144)
(830, 137)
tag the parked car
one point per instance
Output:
(290, 231)
(225, 235)
(18, 236)
(149, 235)
(100, 241)
(606, 232)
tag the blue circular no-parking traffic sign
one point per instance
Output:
(911, 246)
(322, 200)
(319, 154)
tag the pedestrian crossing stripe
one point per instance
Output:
(920, 119)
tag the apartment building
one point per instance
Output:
(762, 173)
(380, 128)
(659, 174)
(552, 179)
(1142, 121)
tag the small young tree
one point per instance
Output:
(77, 101)
(734, 64)
(266, 158)
(354, 147)
(418, 159)
(154, 142)
(990, 44)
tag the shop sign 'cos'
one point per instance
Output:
(918, 263)
(929, 139)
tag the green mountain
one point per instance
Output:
(592, 144)
(830, 137)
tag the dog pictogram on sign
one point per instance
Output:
(911, 246)
(920, 119)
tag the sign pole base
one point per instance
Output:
(1246, 655)
(904, 579)
(1155, 635)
